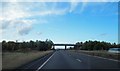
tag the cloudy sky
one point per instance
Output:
(62, 22)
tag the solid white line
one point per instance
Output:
(102, 57)
(79, 60)
(45, 62)
(107, 58)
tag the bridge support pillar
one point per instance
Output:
(53, 48)
(65, 47)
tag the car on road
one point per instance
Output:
(114, 50)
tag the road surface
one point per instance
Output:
(64, 59)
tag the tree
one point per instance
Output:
(4, 45)
(11, 45)
(77, 46)
(49, 44)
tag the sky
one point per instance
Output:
(61, 22)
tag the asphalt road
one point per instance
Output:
(64, 59)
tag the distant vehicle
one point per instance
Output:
(114, 50)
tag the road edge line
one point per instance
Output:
(101, 57)
(45, 62)
(107, 58)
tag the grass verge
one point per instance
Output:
(12, 60)
(104, 54)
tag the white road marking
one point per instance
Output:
(45, 62)
(101, 57)
(79, 60)
(107, 58)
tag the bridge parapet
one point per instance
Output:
(64, 45)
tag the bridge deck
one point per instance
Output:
(63, 44)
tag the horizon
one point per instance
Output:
(53, 42)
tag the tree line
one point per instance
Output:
(47, 45)
(95, 45)
(26, 46)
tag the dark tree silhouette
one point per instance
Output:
(25, 46)
(95, 45)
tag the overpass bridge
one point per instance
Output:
(64, 45)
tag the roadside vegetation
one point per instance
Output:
(12, 46)
(95, 45)
(97, 48)
(15, 54)
(13, 60)
(104, 54)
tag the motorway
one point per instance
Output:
(64, 59)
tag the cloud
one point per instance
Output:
(1, 32)
(39, 33)
(25, 30)
(4, 24)
(14, 10)
(13, 17)
(84, 4)
(20, 16)
(59, 0)
(103, 34)
(73, 6)
(23, 27)
(53, 12)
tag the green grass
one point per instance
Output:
(12, 60)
